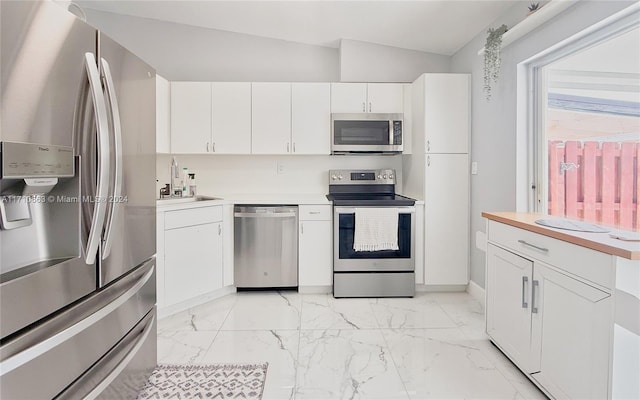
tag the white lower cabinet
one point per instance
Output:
(556, 326)
(190, 256)
(315, 248)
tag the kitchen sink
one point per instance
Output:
(177, 200)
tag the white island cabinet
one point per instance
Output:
(315, 246)
(552, 303)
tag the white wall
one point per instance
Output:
(217, 175)
(370, 62)
(187, 53)
(494, 124)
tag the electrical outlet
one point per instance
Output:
(280, 168)
(474, 168)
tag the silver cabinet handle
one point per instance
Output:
(533, 245)
(301, 228)
(213, 147)
(369, 106)
(207, 147)
(294, 147)
(287, 147)
(115, 202)
(525, 279)
(364, 107)
(428, 145)
(219, 229)
(428, 161)
(314, 212)
(103, 152)
(534, 309)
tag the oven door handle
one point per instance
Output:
(352, 210)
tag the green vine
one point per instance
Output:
(492, 58)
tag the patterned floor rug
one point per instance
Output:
(215, 381)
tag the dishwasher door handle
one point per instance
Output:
(265, 215)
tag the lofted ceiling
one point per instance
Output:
(436, 26)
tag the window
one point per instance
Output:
(586, 125)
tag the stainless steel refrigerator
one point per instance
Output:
(77, 209)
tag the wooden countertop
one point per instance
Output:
(602, 242)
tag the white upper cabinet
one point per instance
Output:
(231, 118)
(310, 118)
(385, 98)
(271, 118)
(366, 97)
(447, 113)
(163, 115)
(190, 117)
(348, 97)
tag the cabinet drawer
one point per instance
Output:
(588, 264)
(315, 213)
(192, 216)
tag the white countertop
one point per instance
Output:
(242, 198)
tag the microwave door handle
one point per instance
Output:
(102, 184)
(114, 202)
(391, 132)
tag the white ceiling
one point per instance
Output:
(437, 26)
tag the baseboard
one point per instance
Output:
(440, 288)
(196, 301)
(476, 292)
(315, 289)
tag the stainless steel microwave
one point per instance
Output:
(366, 133)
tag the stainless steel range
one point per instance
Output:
(364, 264)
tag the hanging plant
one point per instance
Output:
(492, 58)
(533, 7)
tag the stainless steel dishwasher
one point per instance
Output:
(266, 246)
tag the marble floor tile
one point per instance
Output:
(182, 347)
(443, 364)
(465, 311)
(205, 317)
(264, 311)
(418, 312)
(346, 364)
(321, 311)
(278, 348)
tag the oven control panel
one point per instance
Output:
(362, 177)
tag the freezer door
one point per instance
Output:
(41, 62)
(129, 233)
(102, 334)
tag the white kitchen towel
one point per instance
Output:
(376, 229)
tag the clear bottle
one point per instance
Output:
(185, 181)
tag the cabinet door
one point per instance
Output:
(447, 113)
(227, 244)
(315, 253)
(508, 308)
(190, 117)
(271, 118)
(571, 335)
(446, 219)
(231, 117)
(190, 262)
(163, 117)
(385, 98)
(348, 97)
(311, 118)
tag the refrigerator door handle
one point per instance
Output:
(115, 198)
(102, 183)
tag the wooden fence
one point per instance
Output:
(598, 182)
